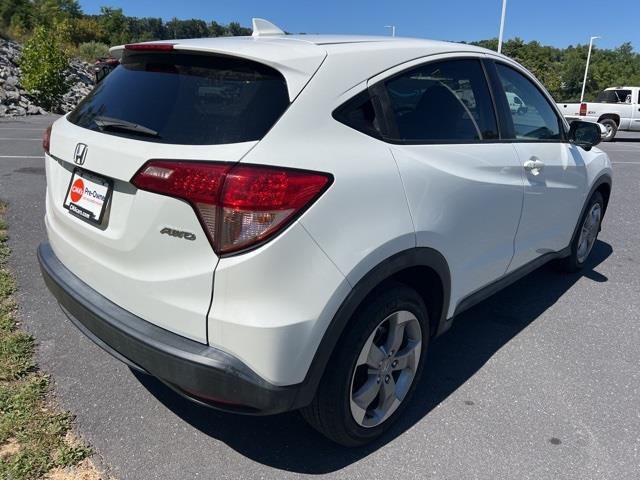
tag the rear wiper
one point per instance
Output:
(108, 123)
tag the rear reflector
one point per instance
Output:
(583, 109)
(149, 47)
(46, 139)
(239, 206)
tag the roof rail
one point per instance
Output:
(264, 28)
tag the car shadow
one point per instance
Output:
(286, 442)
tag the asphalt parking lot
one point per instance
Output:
(541, 381)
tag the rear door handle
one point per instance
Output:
(534, 166)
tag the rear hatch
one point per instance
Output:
(148, 252)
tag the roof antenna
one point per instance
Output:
(264, 28)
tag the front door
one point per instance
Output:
(553, 170)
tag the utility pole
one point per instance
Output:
(393, 29)
(504, 13)
(586, 69)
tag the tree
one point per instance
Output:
(192, 28)
(235, 29)
(16, 17)
(216, 30)
(115, 25)
(43, 62)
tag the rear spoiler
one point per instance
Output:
(296, 59)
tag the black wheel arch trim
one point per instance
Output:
(604, 179)
(414, 257)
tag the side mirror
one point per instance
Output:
(585, 134)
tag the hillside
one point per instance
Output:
(15, 101)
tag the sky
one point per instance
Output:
(552, 22)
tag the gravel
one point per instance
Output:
(15, 101)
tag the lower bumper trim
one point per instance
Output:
(199, 372)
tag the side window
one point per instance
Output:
(443, 101)
(533, 117)
(358, 113)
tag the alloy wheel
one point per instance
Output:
(386, 368)
(589, 232)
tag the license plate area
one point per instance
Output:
(88, 196)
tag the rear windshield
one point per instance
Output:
(186, 99)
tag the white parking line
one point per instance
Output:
(29, 139)
(21, 156)
(21, 128)
(626, 163)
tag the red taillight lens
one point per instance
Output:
(239, 206)
(149, 47)
(583, 109)
(46, 139)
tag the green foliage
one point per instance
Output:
(19, 18)
(43, 62)
(562, 70)
(114, 26)
(90, 51)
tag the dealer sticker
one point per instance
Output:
(88, 196)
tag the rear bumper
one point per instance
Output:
(199, 372)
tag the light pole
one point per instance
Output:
(504, 12)
(586, 69)
(393, 29)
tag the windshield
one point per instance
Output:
(186, 99)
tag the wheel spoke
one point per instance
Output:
(365, 394)
(408, 357)
(397, 324)
(375, 356)
(363, 358)
(387, 394)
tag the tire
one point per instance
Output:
(612, 129)
(578, 257)
(332, 410)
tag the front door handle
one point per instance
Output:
(534, 166)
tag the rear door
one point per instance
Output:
(464, 186)
(149, 253)
(554, 171)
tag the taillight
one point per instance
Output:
(46, 139)
(239, 206)
(583, 109)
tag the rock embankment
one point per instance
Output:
(15, 101)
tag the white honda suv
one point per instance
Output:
(283, 222)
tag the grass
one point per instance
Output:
(35, 437)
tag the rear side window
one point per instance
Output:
(186, 99)
(359, 113)
(444, 101)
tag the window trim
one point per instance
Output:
(392, 134)
(507, 118)
(506, 132)
(358, 99)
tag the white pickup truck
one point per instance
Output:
(616, 108)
